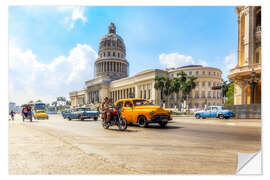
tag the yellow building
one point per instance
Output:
(247, 73)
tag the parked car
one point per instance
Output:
(65, 113)
(214, 111)
(82, 113)
(140, 111)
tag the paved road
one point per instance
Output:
(186, 146)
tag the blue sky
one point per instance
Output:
(59, 44)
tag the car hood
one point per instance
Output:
(91, 112)
(152, 108)
(41, 114)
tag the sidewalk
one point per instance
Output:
(223, 122)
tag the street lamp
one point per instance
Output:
(253, 80)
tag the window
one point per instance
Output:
(197, 94)
(203, 72)
(209, 83)
(203, 83)
(209, 94)
(113, 54)
(109, 53)
(128, 104)
(103, 54)
(119, 105)
(214, 73)
(209, 73)
(141, 94)
(203, 94)
(257, 57)
(197, 84)
(149, 93)
(118, 55)
(197, 73)
(190, 73)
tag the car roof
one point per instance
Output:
(129, 99)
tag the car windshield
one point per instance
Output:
(40, 106)
(141, 102)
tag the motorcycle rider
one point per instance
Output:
(105, 105)
(12, 113)
(25, 111)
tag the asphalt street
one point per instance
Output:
(185, 146)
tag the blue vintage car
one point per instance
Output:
(214, 111)
(65, 113)
(82, 113)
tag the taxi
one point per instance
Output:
(40, 114)
(142, 112)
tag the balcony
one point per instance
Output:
(244, 70)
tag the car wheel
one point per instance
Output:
(82, 119)
(142, 122)
(95, 118)
(198, 116)
(69, 118)
(163, 124)
(227, 117)
(220, 116)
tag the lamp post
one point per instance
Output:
(253, 80)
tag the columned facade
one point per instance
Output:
(247, 73)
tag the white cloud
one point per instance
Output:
(30, 79)
(230, 61)
(73, 14)
(175, 60)
(202, 62)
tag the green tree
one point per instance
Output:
(159, 85)
(187, 84)
(164, 84)
(175, 87)
(230, 94)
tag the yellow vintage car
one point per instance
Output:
(40, 114)
(140, 111)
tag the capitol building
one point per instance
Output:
(111, 79)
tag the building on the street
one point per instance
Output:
(247, 73)
(111, 79)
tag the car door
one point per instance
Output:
(207, 112)
(214, 112)
(127, 111)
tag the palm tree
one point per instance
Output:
(187, 84)
(159, 85)
(175, 87)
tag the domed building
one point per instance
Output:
(111, 79)
(111, 59)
